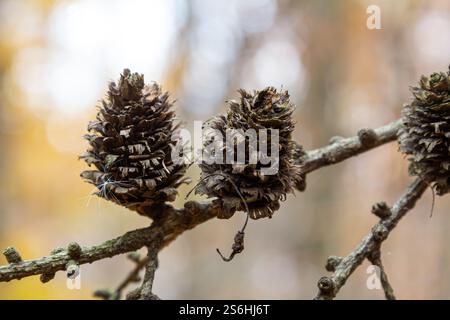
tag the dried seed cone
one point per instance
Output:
(425, 136)
(130, 145)
(266, 109)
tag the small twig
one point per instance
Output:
(150, 269)
(375, 259)
(133, 276)
(342, 149)
(330, 286)
(143, 292)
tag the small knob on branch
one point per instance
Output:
(381, 210)
(326, 286)
(367, 136)
(332, 263)
(74, 250)
(12, 255)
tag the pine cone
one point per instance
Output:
(130, 145)
(425, 135)
(266, 109)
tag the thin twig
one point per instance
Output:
(150, 269)
(330, 286)
(375, 259)
(131, 277)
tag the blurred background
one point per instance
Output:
(56, 58)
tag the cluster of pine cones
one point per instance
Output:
(131, 144)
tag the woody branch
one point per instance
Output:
(171, 222)
(369, 248)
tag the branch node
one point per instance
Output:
(374, 256)
(12, 255)
(381, 210)
(46, 277)
(332, 263)
(367, 137)
(380, 232)
(74, 250)
(326, 286)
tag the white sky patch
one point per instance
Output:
(276, 63)
(256, 15)
(90, 42)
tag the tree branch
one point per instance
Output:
(169, 222)
(341, 149)
(330, 286)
